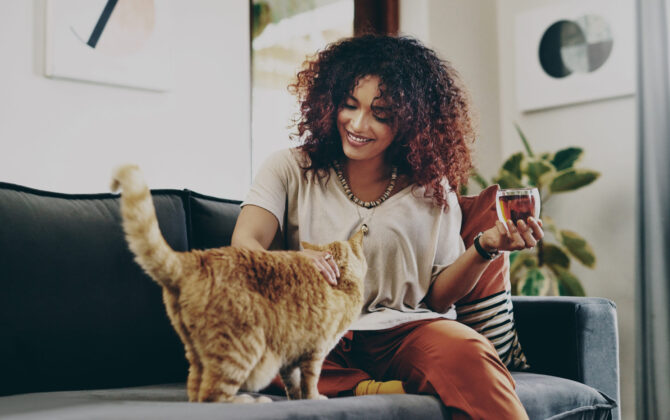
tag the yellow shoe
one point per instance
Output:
(371, 387)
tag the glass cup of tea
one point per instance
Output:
(517, 204)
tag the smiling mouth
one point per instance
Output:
(357, 139)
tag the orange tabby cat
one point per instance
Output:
(245, 315)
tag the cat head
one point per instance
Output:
(347, 254)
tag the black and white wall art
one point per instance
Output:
(115, 42)
(574, 52)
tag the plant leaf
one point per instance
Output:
(513, 164)
(569, 282)
(512, 257)
(479, 179)
(572, 179)
(533, 283)
(519, 260)
(535, 169)
(554, 255)
(565, 158)
(548, 225)
(524, 140)
(508, 180)
(578, 247)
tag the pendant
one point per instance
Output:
(365, 229)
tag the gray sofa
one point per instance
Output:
(84, 333)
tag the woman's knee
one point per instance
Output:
(451, 346)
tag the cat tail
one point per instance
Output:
(140, 225)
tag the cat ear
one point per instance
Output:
(356, 240)
(307, 245)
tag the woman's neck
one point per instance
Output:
(369, 171)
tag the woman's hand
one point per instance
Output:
(323, 262)
(523, 235)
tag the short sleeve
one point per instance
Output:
(269, 189)
(450, 245)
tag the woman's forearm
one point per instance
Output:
(456, 281)
(247, 242)
(255, 228)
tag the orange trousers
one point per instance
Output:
(436, 356)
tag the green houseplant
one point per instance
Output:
(545, 269)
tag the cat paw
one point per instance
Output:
(318, 397)
(242, 399)
(263, 400)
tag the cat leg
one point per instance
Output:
(215, 386)
(228, 364)
(195, 366)
(290, 375)
(263, 373)
(194, 377)
(310, 370)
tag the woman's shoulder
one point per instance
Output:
(291, 158)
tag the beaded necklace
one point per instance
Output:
(358, 201)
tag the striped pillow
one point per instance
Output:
(488, 307)
(492, 316)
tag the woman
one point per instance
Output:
(386, 130)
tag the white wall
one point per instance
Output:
(478, 38)
(604, 212)
(67, 136)
(464, 33)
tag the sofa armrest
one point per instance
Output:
(571, 337)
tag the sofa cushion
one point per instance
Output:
(170, 402)
(211, 220)
(544, 397)
(550, 397)
(488, 307)
(76, 311)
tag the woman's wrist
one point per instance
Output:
(484, 247)
(485, 242)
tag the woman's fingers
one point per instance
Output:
(516, 241)
(512, 237)
(333, 265)
(501, 228)
(527, 234)
(327, 267)
(536, 226)
(324, 263)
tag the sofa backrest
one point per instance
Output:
(76, 311)
(210, 220)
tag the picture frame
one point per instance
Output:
(113, 42)
(574, 52)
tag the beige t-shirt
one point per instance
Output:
(409, 242)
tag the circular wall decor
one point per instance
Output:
(582, 45)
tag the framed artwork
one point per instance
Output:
(115, 42)
(574, 52)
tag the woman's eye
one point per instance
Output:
(347, 106)
(381, 119)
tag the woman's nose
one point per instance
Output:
(358, 121)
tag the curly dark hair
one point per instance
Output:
(430, 109)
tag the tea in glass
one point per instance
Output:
(517, 204)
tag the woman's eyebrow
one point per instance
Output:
(383, 108)
(350, 96)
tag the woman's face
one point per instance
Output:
(363, 122)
